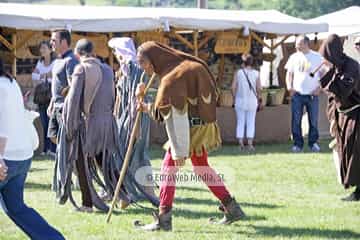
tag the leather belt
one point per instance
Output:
(196, 121)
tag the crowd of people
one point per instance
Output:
(88, 114)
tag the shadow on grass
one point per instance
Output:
(260, 205)
(197, 201)
(43, 158)
(308, 232)
(215, 203)
(190, 214)
(285, 232)
(222, 230)
(40, 186)
(37, 169)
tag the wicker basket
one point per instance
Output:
(276, 96)
(264, 96)
(226, 98)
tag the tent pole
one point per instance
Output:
(271, 62)
(111, 55)
(13, 40)
(221, 68)
(202, 3)
(196, 46)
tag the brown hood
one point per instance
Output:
(332, 50)
(183, 79)
(170, 57)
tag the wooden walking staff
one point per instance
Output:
(128, 152)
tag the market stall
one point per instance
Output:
(217, 36)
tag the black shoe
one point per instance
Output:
(355, 196)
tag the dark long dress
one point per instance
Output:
(84, 137)
(140, 158)
(342, 85)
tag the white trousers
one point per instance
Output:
(245, 118)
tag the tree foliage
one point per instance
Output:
(297, 8)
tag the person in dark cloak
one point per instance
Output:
(342, 85)
(89, 139)
(128, 77)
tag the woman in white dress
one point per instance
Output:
(246, 89)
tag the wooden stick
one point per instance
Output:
(182, 39)
(111, 55)
(128, 154)
(13, 40)
(196, 47)
(6, 43)
(260, 40)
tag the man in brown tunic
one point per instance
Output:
(90, 125)
(186, 103)
(342, 85)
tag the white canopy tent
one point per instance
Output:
(109, 19)
(343, 22)
(126, 19)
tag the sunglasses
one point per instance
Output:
(357, 44)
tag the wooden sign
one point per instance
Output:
(142, 37)
(232, 42)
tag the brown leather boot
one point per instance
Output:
(161, 222)
(232, 212)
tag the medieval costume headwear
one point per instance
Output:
(333, 51)
(183, 79)
(125, 48)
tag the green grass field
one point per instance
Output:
(286, 196)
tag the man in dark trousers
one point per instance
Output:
(61, 77)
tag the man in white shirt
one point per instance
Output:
(304, 88)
